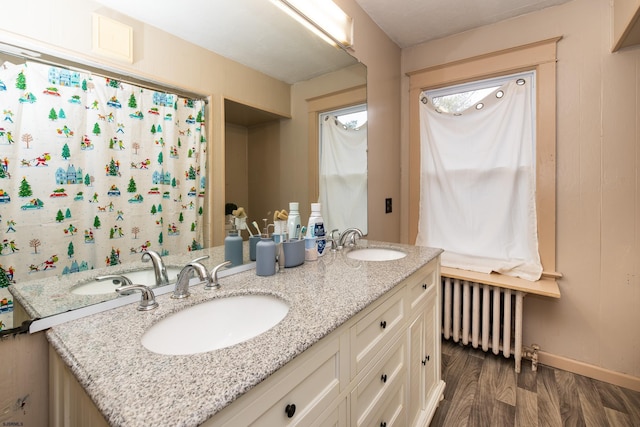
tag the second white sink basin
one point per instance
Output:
(143, 277)
(376, 254)
(215, 324)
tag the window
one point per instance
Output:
(343, 167)
(337, 101)
(539, 56)
(477, 198)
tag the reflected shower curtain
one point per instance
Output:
(343, 176)
(94, 171)
(478, 184)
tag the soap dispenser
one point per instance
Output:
(266, 255)
(233, 247)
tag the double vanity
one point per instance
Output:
(348, 340)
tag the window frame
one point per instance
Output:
(539, 56)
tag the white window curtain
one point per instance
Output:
(478, 183)
(343, 175)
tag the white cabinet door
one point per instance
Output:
(424, 363)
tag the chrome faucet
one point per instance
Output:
(182, 284)
(352, 232)
(213, 284)
(159, 268)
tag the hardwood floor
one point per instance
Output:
(483, 390)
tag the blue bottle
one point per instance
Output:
(233, 247)
(266, 257)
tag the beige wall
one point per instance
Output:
(236, 182)
(382, 58)
(598, 194)
(266, 170)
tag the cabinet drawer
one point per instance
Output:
(421, 284)
(336, 417)
(307, 400)
(393, 411)
(375, 330)
(379, 383)
(299, 395)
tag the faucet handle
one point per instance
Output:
(148, 299)
(200, 258)
(123, 280)
(214, 276)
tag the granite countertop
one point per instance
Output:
(132, 386)
(52, 295)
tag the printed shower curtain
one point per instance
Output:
(478, 184)
(343, 176)
(94, 171)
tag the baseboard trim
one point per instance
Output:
(591, 371)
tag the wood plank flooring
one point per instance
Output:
(483, 390)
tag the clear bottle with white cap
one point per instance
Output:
(293, 222)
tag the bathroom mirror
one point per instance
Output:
(292, 181)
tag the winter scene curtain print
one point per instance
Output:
(94, 171)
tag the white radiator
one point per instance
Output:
(484, 316)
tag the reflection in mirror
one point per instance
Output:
(284, 136)
(343, 168)
(95, 172)
(272, 160)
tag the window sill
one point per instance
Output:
(546, 286)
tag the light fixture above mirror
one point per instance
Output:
(323, 17)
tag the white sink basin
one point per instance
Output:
(215, 324)
(143, 277)
(376, 254)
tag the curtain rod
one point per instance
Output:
(98, 70)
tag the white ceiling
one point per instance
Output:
(411, 22)
(261, 36)
(254, 33)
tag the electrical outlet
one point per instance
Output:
(387, 205)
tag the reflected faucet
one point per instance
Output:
(332, 239)
(124, 282)
(159, 269)
(352, 232)
(182, 284)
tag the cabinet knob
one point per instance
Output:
(426, 359)
(424, 286)
(383, 424)
(290, 410)
(383, 324)
(383, 378)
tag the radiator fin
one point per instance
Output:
(483, 316)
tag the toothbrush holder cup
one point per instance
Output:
(293, 253)
(253, 241)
